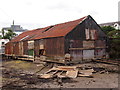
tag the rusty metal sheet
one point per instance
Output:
(9, 48)
(36, 48)
(88, 54)
(88, 44)
(100, 53)
(76, 44)
(100, 43)
(39, 45)
(25, 48)
(50, 31)
(76, 54)
(54, 46)
(16, 48)
(41, 41)
(20, 48)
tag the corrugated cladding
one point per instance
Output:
(9, 48)
(54, 46)
(85, 41)
(100, 43)
(20, 48)
(84, 36)
(36, 48)
(16, 48)
(25, 48)
(50, 31)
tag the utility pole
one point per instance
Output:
(118, 15)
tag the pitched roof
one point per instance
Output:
(50, 31)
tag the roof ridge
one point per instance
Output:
(58, 30)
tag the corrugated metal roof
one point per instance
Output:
(50, 31)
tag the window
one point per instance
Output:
(30, 44)
(87, 31)
(24, 37)
(91, 34)
(31, 52)
(3, 43)
(41, 52)
(47, 29)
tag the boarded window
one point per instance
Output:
(41, 43)
(30, 44)
(87, 32)
(31, 52)
(88, 54)
(41, 46)
(88, 44)
(91, 34)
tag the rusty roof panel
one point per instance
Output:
(50, 31)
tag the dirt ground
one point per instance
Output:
(18, 74)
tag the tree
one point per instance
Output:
(114, 42)
(0, 36)
(9, 35)
(3, 33)
(107, 29)
(111, 31)
(114, 34)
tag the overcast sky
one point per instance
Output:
(31, 14)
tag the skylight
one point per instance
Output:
(24, 37)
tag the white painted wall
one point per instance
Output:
(2, 45)
(116, 26)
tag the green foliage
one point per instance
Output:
(107, 29)
(114, 44)
(114, 48)
(0, 37)
(114, 34)
(9, 35)
(111, 31)
(3, 32)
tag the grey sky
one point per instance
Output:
(119, 11)
(32, 14)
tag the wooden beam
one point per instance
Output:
(87, 48)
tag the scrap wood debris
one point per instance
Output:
(86, 72)
(66, 72)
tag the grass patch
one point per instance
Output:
(17, 64)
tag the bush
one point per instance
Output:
(114, 48)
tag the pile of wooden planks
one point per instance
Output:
(66, 72)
